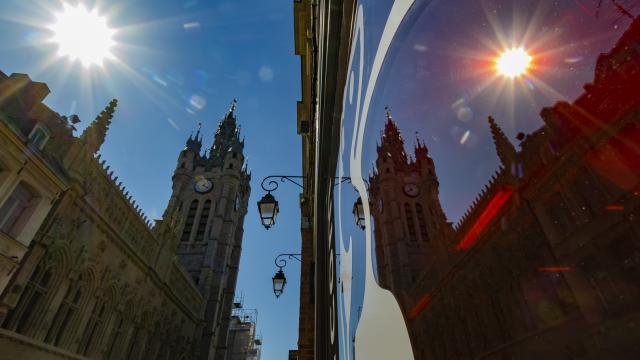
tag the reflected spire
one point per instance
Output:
(387, 112)
(93, 136)
(420, 149)
(506, 151)
(392, 143)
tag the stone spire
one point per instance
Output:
(227, 137)
(506, 151)
(194, 144)
(93, 136)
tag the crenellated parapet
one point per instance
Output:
(497, 181)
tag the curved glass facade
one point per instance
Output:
(493, 145)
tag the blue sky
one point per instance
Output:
(172, 54)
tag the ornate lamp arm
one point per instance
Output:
(281, 262)
(268, 184)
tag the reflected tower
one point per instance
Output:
(410, 226)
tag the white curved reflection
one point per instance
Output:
(381, 331)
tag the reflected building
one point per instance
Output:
(546, 261)
(84, 273)
(410, 227)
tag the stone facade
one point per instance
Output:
(90, 276)
(546, 262)
(244, 343)
(303, 42)
(210, 196)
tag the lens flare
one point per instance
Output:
(83, 35)
(513, 62)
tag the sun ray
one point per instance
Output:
(547, 90)
(148, 87)
(494, 23)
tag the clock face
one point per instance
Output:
(202, 185)
(411, 190)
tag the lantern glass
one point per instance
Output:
(279, 281)
(268, 209)
(358, 213)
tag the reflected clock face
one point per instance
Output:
(411, 190)
(202, 185)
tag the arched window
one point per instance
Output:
(410, 223)
(17, 209)
(422, 223)
(68, 308)
(188, 225)
(23, 316)
(93, 327)
(204, 217)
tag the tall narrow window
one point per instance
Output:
(410, 223)
(154, 342)
(204, 217)
(133, 340)
(116, 336)
(38, 137)
(67, 309)
(35, 292)
(591, 199)
(422, 223)
(93, 326)
(188, 225)
(16, 210)
(560, 214)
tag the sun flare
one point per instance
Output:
(83, 34)
(513, 62)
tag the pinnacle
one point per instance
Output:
(504, 148)
(94, 135)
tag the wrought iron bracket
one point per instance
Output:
(270, 184)
(281, 262)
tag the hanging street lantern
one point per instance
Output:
(279, 281)
(358, 213)
(268, 209)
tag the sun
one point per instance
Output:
(513, 62)
(83, 35)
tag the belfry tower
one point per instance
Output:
(208, 205)
(411, 229)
